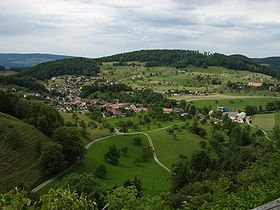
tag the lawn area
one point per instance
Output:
(154, 178)
(136, 119)
(264, 121)
(277, 119)
(168, 149)
(233, 103)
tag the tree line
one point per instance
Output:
(126, 94)
(25, 82)
(70, 66)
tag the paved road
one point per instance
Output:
(39, 187)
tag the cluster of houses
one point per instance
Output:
(235, 116)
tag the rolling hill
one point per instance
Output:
(19, 153)
(10, 60)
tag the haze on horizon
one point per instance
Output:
(100, 27)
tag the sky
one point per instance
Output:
(94, 28)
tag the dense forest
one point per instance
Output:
(71, 66)
(184, 58)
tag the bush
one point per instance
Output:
(137, 141)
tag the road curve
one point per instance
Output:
(264, 132)
(39, 187)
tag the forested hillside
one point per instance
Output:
(184, 58)
(71, 66)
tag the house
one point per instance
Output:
(274, 87)
(255, 83)
(139, 109)
(167, 110)
(236, 116)
(114, 108)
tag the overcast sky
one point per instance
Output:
(102, 27)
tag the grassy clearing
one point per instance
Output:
(169, 149)
(19, 155)
(6, 73)
(154, 178)
(277, 119)
(264, 121)
(233, 104)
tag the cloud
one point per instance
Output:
(102, 27)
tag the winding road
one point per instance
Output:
(117, 133)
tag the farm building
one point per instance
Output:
(255, 83)
(236, 116)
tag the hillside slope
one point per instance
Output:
(19, 153)
(27, 60)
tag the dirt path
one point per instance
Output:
(264, 132)
(39, 187)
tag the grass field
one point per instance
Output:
(277, 119)
(19, 156)
(234, 104)
(154, 178)
(168, 149)
(136, 119)
(264, 121)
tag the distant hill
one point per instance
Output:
(19, 153)
(272, 61)
(181, 59)
(10, 60)
(69, 66)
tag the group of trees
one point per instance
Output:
(110, 92)
(25, 82)
(65, 148)
(37, 113)
(220, 169)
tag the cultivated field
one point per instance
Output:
(264, 121)
(19, 153)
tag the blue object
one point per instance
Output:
(225, 109)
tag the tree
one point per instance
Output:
(125, 150)
(100, 171)
(113, 155)
(65, 199)
(200, 160)
(180, 175)
(147, 152)
(122, 198)
(69, 138)
(251, 110)
(85, 184)
(137, 141)
(136, 182)
(52, 158)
